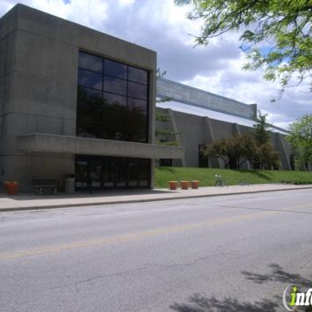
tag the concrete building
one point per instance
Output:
(75, 101)
(197, 117)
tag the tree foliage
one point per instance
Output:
(265, 157)
(254, 146)
(300, 138)
(260, 130)
(276, 35)
(233, 151)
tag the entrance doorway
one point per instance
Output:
(111, 172)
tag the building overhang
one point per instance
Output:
(49, 143)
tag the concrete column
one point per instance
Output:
(209, 138)
(236, 130)
(285, 159)
(176, 133)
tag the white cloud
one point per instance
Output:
(126, 2)
(163, 27)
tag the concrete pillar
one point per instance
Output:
(285, 157)
(236, 130)
(176, 133)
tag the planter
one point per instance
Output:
(194, 184)
(173, 185)
(11, 188)
(184, 185)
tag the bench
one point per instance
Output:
(39, 185)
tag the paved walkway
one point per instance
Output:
(32, 201)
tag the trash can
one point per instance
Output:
(69, 185)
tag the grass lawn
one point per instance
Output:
(206, 176)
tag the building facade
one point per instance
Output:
(74, 101)
(196, 118)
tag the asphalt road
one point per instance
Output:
(227, 253)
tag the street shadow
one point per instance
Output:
(198, 303)
(278, 274)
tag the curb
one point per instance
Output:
(132, 201)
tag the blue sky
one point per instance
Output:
(163, 27)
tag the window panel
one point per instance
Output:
(90, 79)
(114, 122)
(89, 113)
(91, 62)
(82, 169)
(109, 106)
(115, 99)
(115, 69)
(108, 171)
(136, 126)
(137, 75)
(137, 90)
(95, 170)
(86, 94)
(115, 85)
(137, 105)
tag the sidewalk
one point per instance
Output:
(32, 201)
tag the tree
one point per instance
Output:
(233, 151)
(241, 148)
(260, 130)
(276, 35)
(300, 138)
(254, 146)
(264, 157)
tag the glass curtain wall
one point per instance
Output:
(112, 100)
(113, 104)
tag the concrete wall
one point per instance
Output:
(38, 86)
(191, 135)
(195, 130)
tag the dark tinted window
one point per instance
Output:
(115, 85)
(91, 62)
(137, 90)
(115, 69)
(114, 122)
(89, 113)
(111, 172)
(90, 79)
(138, 105)
(86, 94)
(137, 75)
(110, 98)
